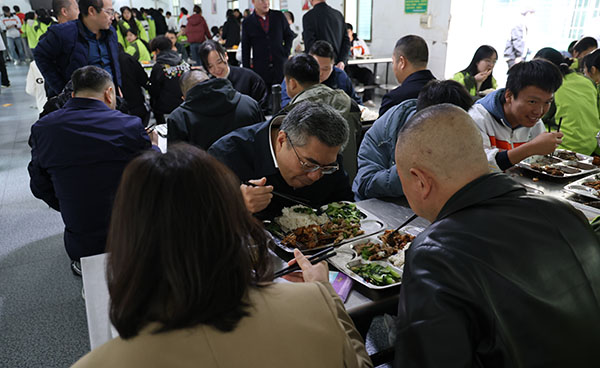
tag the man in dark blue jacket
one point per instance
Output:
(410, 67)
(325, 23)
(77, 156)
(89, 40)
(268, 35)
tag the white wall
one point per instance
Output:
(23, 4)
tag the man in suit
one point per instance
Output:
(267, 35)
(77, 156)
(323, 22)
(409, 63)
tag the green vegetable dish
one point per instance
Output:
(377, 274)
(345, 211)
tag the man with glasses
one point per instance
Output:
(90, 40)
(296, 155)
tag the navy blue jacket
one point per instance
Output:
(269, 50)
(78, 154)
(410, 88)
(338, 79)
(64, 49)
(246, 151)
(325, 23)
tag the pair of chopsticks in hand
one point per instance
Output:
(284, 196)
(558, 128)
(314, 259)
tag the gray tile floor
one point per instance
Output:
(42, 314)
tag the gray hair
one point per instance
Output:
(312, 119)
(190, 79)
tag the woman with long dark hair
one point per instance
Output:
(575, 104)
(128, 21)
(195, 290)
(477, 77)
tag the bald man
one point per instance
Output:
(500, 278)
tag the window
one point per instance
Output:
(359, 13)
(581, 14)
(198, 2)
(233, 4)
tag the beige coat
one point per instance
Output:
(291, 325)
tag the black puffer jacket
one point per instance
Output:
(211, 110)
(501, 279)
(165, 94)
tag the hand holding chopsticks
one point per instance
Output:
(311, 270)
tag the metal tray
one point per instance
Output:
(371, 224)
(577, 187)
(582, 166)
(346, 256)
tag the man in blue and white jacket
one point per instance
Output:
(509, 119)
(377, 176)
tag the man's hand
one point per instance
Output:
(257, 198)
(340, 65)
(545, 143)
(153, 136)
(310, 272)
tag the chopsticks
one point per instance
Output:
(410, 219)
(284, 196)
(559, 123)
(314, 259)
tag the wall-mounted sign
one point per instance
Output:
(415, 6)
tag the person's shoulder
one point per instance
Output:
(228, 144)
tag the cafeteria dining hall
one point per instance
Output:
(299, 183)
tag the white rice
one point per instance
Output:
(290, 220)
(397, 259)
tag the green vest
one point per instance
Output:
(469, 82)
(577, 104)
(138, 51)
(34, 32)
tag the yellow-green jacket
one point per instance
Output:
(138, 51)
(469, 82)
(122, 28)
(34, 32)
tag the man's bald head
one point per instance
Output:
(190, 79)
(442, 146)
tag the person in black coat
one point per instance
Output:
(215, 61)
(267, 35)
(212, 108)
(165, 93)
(134, 80)
(231, 30)
(159, 21)
(323, 22)
(410, 67)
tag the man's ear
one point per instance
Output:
(108, 95)
(423, 182)
(508, 95)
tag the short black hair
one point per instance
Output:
(570, 48)
(555, 58)
(16, 8)
(6, 9)
(414, 49)
(84, 5)
(171, 30)
(160, 43)
(323, 49)
(303, 68)
(349, 27)
(90, 78)
(539, 73)
(57, 5)
(291, 15)
(168, 13)
(206, 47)
(184, 11)
(229, 13)
(132, 31)
(197, 9)
(585, 43)
(436, 92)
(592, 59)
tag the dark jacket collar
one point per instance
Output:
(479, 190)
(83, 30)
(79, 103)
(264, 163)
(419, 75)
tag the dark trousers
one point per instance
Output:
(364, 76)
(3, 73)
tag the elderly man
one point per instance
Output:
(302, 75)
(244, 80)
(77, 156)
(90, 40)
(295, 155)
(377, 176)
(510, 119)
(500, 278)
(212, 108)
(329, 75)
(409, 63)
(65, 10)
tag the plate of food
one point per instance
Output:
(335, 223)
(561, 164)
(587, 187)
(376, 261)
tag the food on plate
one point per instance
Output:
(312, 236)
(566, 155)
(581, 165)
(346, 211)
(593, 184)
(299, 216)
(544, 160)
(548, 169)
(377, 274)
(596, 161)
(389, 246)
(397, 259)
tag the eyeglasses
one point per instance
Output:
(310, 167)
(109, 12)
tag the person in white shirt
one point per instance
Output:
(12, 24)
(171, 22)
